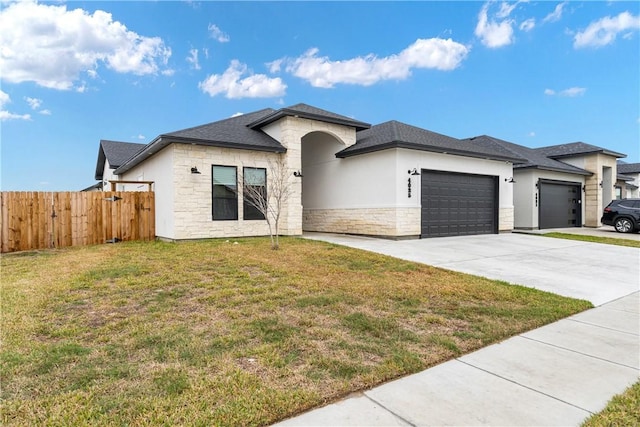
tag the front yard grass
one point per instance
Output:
(595, 239)
(622, 410)
(231, 332)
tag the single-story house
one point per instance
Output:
(564, 185)
(628, 180)
(111, 155)
(391, 179)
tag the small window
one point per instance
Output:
(255, 193)
(618, 193)
(225, 193)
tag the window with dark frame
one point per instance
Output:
(255, 185)
(224, 193)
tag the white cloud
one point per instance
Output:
(217, 34)
(45, 112)
(604, 31)
(556, 15)
(140, 136)
(6, 115)
(232, 84)
(493, 33)
(275, 66)
(570, 92)
(34, 103)
(532, 134)
(506, 9)
(193, 59)
(528, 25)
(52, 46)
(237, 114)
(320, 71)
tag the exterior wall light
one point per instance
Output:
(297, 174)
(510, 180)
(413, 172)
(195, 170)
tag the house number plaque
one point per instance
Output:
(409, 187)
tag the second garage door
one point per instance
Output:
(560, 204)
(455, 204)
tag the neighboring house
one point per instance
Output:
(547, 193)
(628, 180)
(111, 155)
(95, 187)
(599, 188)
(391, 180)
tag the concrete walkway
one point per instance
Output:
(558, 374)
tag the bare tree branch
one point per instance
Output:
(278, 190)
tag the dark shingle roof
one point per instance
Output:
(532, 158)
(116, 153)
(628, 167)
(394, 134)
(309, 112)
(575, 149)
(233, 132)
(230, 133)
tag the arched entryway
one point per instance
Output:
(319, 164)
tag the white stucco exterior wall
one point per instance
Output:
(368, 193)
(159, 168)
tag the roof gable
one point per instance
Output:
(312, 113)
(532, 158)
(575, 149)
(394, 134)
(116, 153)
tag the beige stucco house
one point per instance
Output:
(391, 180)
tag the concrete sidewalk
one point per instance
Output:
(558, 374)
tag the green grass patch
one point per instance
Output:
(216, 333)
(596, 239)
(622, 410)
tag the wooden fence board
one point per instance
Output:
(39, 220)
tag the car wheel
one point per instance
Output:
(623, 225)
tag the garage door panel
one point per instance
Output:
(560, 205)
(458, 204)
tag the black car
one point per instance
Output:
(623, 214)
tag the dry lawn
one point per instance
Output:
(230, 332)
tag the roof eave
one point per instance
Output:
(432, 149)
(585, 153)
(552, 169)
(224, 144)
(163, 141)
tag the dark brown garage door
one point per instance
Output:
(455, 204)
(560, 204)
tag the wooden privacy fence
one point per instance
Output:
(39, 220)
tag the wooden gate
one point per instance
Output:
(39, 220)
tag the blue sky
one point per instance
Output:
(535, 73)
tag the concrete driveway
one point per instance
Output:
(596, 272)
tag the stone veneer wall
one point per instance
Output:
(193, 192)
(388, 222)
(505, 219)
